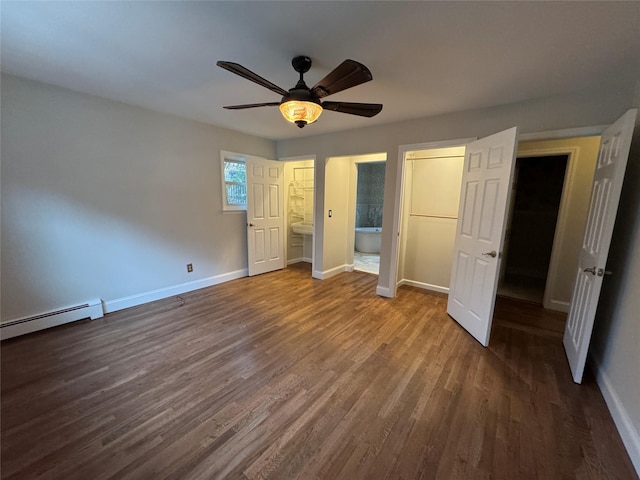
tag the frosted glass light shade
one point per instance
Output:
(296, 111)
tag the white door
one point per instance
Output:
(265, 215)
(484, 197)
(605, 194)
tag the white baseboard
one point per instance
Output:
(628, 432)
(384, 291)
(425, 286)
(141, 298)
(299, 260)
(322, 275)
(557, 305)
(24, 325)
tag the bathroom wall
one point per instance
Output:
(370, 194)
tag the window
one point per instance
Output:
(234, 181)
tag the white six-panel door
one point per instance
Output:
(484, 196)
(265, 215)
(605, 195)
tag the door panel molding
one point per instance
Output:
(605, 196)
(265, 215)
(485, 192)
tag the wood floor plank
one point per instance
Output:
(281, 376)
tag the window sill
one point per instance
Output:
(234, 210)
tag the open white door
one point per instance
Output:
(265, 215)
(605, 195)
(484, 197)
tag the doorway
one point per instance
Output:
(429, 213)
(368, 228)
(531, 226)
(299, 199)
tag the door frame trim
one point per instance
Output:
(560, 229)
(592, 131)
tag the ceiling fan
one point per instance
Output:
(301, 105)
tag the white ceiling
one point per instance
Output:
(427, 58)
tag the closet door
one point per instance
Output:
(605, 195)
(486, 187)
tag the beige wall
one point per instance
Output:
(572, 216)
(104, 200)
(337, 193)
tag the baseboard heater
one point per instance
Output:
(22, 326)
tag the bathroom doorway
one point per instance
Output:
(368, 216)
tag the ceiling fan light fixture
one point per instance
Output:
(300, 112)
(301, 105)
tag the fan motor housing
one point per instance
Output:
(301, 64)
(300, 95)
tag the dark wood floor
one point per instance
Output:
(282, 376)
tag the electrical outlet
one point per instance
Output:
(189, 267)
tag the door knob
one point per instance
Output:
(602, 271)
(492, 254)
(590, 270)
(252, 225)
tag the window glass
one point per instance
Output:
(235, 180)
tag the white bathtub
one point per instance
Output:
(368, 239)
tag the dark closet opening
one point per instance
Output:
(531, 226)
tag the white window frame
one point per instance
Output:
(230, 157)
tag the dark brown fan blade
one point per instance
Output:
(346, 75)
(362, 109)
(249, 75)
(252, 105)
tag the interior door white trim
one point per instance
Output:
(391, 289)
